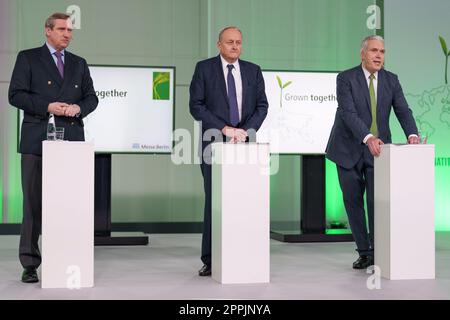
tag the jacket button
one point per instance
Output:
(72, 123)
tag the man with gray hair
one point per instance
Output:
(366, 95)
(49, 84)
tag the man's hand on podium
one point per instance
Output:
(374, 145)
(236, 134)
(413, 139)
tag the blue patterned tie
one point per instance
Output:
(232, 97)
(59, 63)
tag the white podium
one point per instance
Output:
(67, 214)
(404, 211)
(240, 213)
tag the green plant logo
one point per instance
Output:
(161, 86)
(446, 54)
(282, 86)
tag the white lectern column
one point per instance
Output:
(240, 213)
(404, 212)
(67, 214)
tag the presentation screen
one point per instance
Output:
(135, 113)
(302, 106)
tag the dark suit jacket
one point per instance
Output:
(208, 101)
(35, 83)
(353, 115)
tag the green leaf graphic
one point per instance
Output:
(286, 84)
(282, 86)
(446, 54)
(444, 46)
(279, 82)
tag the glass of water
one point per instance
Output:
(423, 138)
(59, 134)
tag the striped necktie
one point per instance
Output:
(59, 63)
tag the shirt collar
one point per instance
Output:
(53, 50)
(367, 73)
(225, 63)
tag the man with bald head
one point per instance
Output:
(226, 95)
(49, 84)
(366, 95)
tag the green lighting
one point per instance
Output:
(334, 203)
(338, 231)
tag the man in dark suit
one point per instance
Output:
(366, 95)
(227, 96)
(48, 84)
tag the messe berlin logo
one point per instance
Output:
(161, 86)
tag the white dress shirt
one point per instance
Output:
(236, 71)
(52, 52)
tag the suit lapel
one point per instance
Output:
(364, 87)
(50, 65)
(221, 80)
(380, 90)
(244, 87)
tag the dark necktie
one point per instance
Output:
(59, 63)
(232, 97)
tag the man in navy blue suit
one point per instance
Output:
(48, 82)
(366, 95)
(226, 95)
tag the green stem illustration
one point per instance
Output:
(281, 98)
(446, 65)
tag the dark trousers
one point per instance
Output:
(206, 172)
(354, 183)
(29, 254)
(206, 238)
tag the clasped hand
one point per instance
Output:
(236, 134)
(64, 109)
